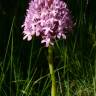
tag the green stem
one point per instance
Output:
(50, 62)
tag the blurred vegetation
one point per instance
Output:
(23, 65)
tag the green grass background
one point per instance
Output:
(23, 65)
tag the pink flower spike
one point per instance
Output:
(47, 19)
